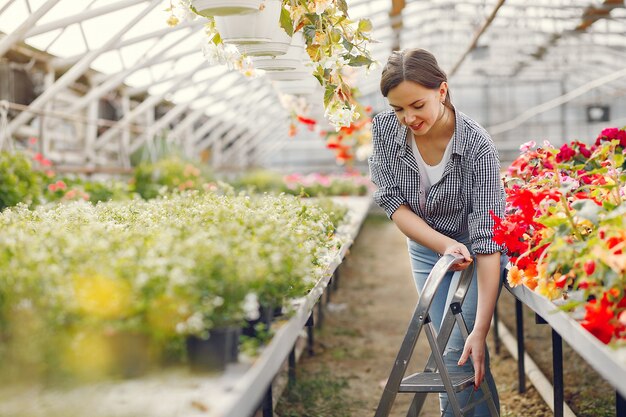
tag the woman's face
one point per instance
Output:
(416, 106)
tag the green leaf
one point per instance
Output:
(570, 305)
(343, 6)
(552, 221)
(285, 21)
(359, 61)
(365, 25)
(328, 94)
(309, 33)
(587, 209)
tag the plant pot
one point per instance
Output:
(214, 353)
(266, 316)
(290, 61)
(251, 28)
(225, 7)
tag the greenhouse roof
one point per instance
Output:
(128, 43)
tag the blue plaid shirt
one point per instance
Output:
(458, 205)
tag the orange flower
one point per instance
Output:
(515, 276)
(530, 282)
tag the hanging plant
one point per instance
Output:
(332, 40)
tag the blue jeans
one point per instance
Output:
(422, 262)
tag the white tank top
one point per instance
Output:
(433, 172)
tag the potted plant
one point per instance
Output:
(223, 7)
(564, 228)
(333, 41)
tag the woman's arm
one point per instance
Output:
(488, 286)
(415, 228)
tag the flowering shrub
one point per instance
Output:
(75, 275)
(565, 227)
(166, 175)
(333, 41)
(18, 181)
(309, 185)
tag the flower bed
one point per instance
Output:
(565, 228)
(309, 185)
(77, 280)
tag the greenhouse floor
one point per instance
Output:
(363, 327)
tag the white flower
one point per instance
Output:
(251, 306)
(181, 9)
(322, 5)
(340, 115)
(224, 54)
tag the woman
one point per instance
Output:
(438, 179)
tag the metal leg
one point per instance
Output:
(268, 406)
(336, 279)
(292, 367)
(521, 372)
(620, 405)
(416, 405)
(309, 332)
(320, 313)
(557, 368)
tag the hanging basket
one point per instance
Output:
(225, 7)
(290, 61)
(257, 27)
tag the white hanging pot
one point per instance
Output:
(291, 60)
(251, 28)
(225, 7)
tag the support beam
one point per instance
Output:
(146, 104)
(395, 19)
(116, 79)
(20, 33)
(69, 61)
(476, 37)
(144, 88)
(165, 120)
(81, 17)
(76, 71)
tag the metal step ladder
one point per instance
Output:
(435, 378)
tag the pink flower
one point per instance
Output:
(527, 146)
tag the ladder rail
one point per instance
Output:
(447, 325)
(420, 314)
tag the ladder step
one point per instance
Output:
(431, 382)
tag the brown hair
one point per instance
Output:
(416, 65)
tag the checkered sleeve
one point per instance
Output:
(487, 195)
(388, 195)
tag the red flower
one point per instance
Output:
(611, 134)
(307, 121)
(598, 319)
(589, 267)
(565, 154)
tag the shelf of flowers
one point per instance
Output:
(565, 230)
(92, 295)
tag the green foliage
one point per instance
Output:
(168, 174)
(19, 183)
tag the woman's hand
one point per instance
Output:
(459, 249)
(475, 347)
